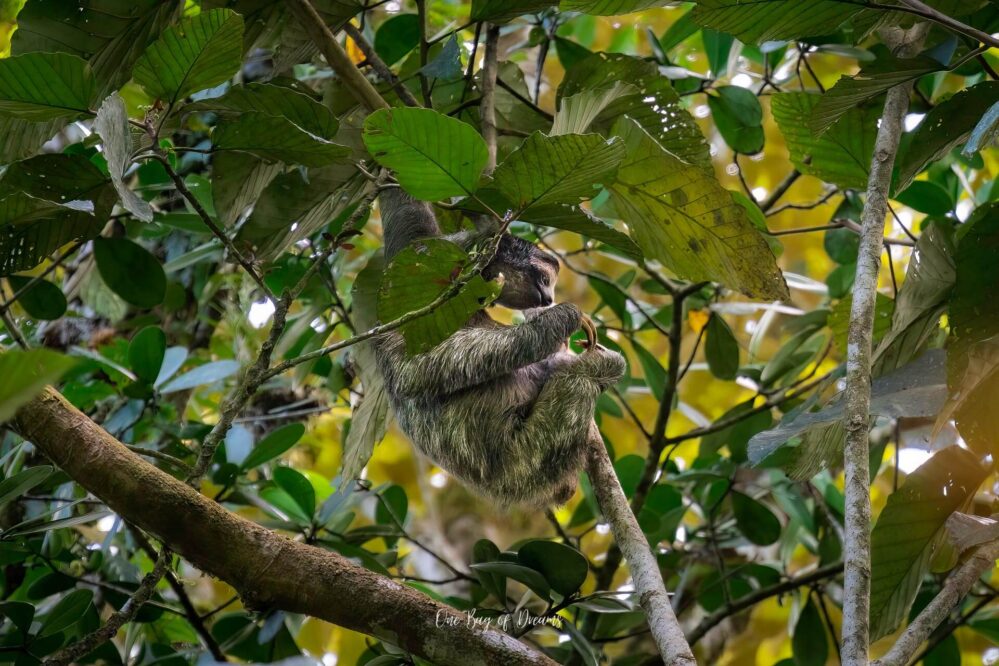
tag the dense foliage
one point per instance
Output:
(189, 250)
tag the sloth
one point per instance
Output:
(504, 409)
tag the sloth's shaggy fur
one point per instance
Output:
(505, 409)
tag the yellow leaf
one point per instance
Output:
(698, 319)
(353, 50)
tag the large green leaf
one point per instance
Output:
(273, 445)
(871, 81)
(111, 34)
(13, 487)
(769, 20)
(946, 126)
(608, 7)
(433, 156)
(130, 271)
(755, 520)
(908, 530)
(276, 138)
(146, 352)
(918, 389)
(237, 181)
(681, 216)
(557, 169)
(500, 10)
(416, 277)
(45, 86)
(22, 138)
(921, 301)
(274, 100)
(599, 90)
(61, 179)
(31, 229)
(25, 374)
(842, 155)
(111, 124)
(293, 207)
(739, 118)
(200, 52)
(564, 568)
(67, 612)
(41, 300)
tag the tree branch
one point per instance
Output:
(487, 108)
(267, 569)
(642, 562)
(379, 65)
(957, 586)
(857, 549)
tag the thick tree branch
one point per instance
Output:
(268, 570)
(956, 588)
(487, 107)
(857, 549)
(642, 562)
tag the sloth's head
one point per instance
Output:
(528, 273)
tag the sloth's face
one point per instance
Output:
(528, 273)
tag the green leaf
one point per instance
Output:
(23, 138)
(200, 52)
(582, 221)
(608, 7)
(21, 613)
(654, 373)
(416, 277)
(293, 207)
(809, 642)
(67, 612)
(755, 521)
(680, 215)
(739, 118)
(19, 484)
(60, 179)
(564, 568)
(921, 302)
(721, 349)
(504, 10)
(25, 374)
(770, 20)
(842, 155)
(985, 132)
(927, 197)
(397, 506)
(127, 27)
(853, 91)
(208, 373)
(297, 487)
(43, 300)
(529, 577)
(907, 530)
(130, 271)
(599, 90)
(45, 86)
(718, 48)
(237, 182)
(111, 124)
(947, 125)
(146, 352)
(839, 319)
(918, 389)
(273, 445)
(485, 550)
(434, 156)
(569, 52)
(557, 169)
(31, 229)
(397, 36)
(276, 138)
(277, 101)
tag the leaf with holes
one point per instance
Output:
(199, 52)
(433, 156)
(561, 169)
(602, 88)
(31, 229)
(680, 215)
(842, 155)
(910, 528)
(417, 276)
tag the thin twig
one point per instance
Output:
(781, 189)
(487, 109)
(421, 13)
(379, 65)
